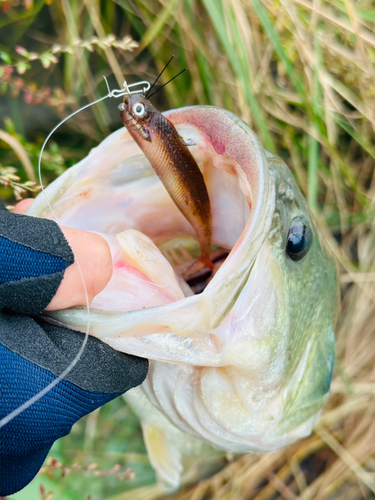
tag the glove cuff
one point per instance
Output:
(26, 440)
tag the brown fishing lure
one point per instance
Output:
(173, 163)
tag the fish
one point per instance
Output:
(245, 365)
(174, 164)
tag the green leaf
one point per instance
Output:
(156, 27)
(357, 136)
(5, 57)
(216, 13)
(22, 51)
(21, 67)
(45, 60)
(313, 173)
(313, 158)
(9, 125)
(275, 40)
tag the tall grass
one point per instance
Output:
(301, 73)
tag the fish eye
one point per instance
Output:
(139, 109)
(299, 240)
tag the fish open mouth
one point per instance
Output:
(115, 192)
(198, 281)
(233, 356)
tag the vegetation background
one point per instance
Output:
(301, 73)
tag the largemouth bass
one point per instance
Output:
(246, 365)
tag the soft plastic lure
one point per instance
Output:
(174, 164)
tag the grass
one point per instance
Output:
(301, 73)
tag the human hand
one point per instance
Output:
(36, 263)
(92, 254)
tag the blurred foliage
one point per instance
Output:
(9, 179)
(300, 72)
(103, 455)
(302, 78)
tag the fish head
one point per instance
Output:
(137, 114)
(246, 364)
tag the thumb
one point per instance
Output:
(92, 254)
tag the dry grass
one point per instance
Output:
(332, 46)
(302, 73)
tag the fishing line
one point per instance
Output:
(111, 93)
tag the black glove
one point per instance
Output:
(33, 257)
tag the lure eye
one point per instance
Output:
(139, 109)
(299, 240)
